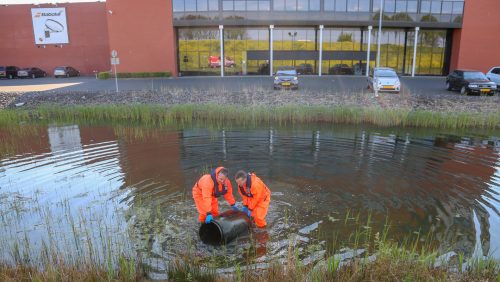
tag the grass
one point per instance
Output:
(182, 115)
(94, 252)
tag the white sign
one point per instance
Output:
(49, 25)
(114, 54)
(115, 61)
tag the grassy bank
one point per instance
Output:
(365, 256)
(281, 115)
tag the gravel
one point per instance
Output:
(257, 96)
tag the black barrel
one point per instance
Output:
(224, 228)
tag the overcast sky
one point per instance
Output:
(43, 1)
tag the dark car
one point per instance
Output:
(66, 71)
(31, 72)
(305, 69)
(341, 69)
(8, 72)
(470, 82)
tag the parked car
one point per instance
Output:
(384, 79)
(341, 69)
(9, 72)
(214, 62)
(286, 79)
(470, 82)
(31, 72)
(66, 71)
(305, 69)
(494, 75)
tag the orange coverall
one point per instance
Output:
(204, 194)
(257, 199)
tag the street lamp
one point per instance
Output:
(379, 31)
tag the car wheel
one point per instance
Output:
(448, 86)
(463, 91)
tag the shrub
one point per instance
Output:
(104, 75)
(143, 74)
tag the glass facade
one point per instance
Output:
(238, 42)
(423, 11)
(196, 48)
(342, 39)
(246, 35)
(246, 50)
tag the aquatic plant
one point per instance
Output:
(218, 115)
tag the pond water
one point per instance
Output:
(91, 190)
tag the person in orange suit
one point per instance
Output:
(206, 191)
(256, 196)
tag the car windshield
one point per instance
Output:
(474, 75)
(60, 68)
(287, 73)
(385, 73)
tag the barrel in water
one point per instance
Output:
(224, 228)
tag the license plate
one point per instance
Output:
(285, 83)
(388, 87)
(485, 90)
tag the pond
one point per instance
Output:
(89, 191)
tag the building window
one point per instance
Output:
(302, 5)
(329, 5)
(425, 7)
(458, 8)
(279, 5)
(412, 7)
(340, 5)
(436, 7)
(314, 5)
(364, 5)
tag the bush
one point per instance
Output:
(143, 74)
(104, 75)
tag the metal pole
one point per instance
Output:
(415, 52)
(271, 27)
(379, 37)
(369, 49)
(116, 77)
(320, 49)
(222, 60)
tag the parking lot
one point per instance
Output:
(342, 84)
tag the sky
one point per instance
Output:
(43, 1)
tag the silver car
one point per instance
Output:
(384, 79)
(286, 79)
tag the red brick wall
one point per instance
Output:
(143, 34)
(476, 46)
(88, 47)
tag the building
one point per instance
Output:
(189, 37)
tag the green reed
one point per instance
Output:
(218, 115)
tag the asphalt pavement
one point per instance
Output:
(344, 84)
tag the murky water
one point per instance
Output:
(62, 187)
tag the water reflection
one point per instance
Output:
(138, 181)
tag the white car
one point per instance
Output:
(494, 75)
(384, 79)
